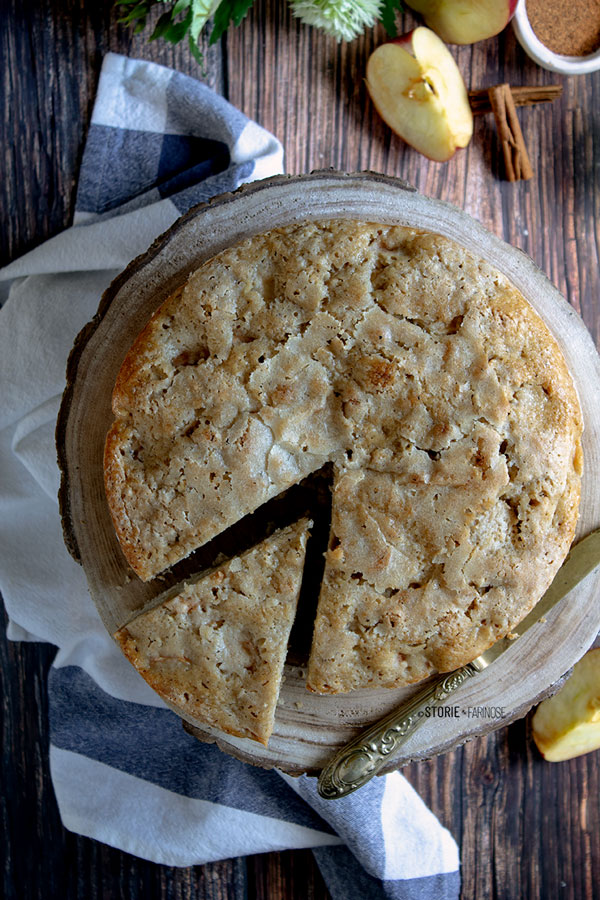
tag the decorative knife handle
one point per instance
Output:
(363, 757)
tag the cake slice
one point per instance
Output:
(216, 650)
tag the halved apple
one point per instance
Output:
(419, 92)
(568, 724)
(465, 21)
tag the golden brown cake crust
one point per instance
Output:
(421, 373)
(216, 650)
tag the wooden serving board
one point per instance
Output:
(309, 727)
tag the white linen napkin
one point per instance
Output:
(123, 769)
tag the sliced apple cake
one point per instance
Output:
(421, 373)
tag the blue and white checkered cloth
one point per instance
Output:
(123, 769)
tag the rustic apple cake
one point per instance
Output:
(216, 649)
(437, 392)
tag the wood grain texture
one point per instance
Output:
(528, 829)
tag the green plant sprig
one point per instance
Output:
(344, 19)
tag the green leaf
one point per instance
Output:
(178, 30)
(228, 11)
(184, 18)
(241, 11)
(162, 26)
(201, 10)
(139, 10)
(387, 16)
(195, 51)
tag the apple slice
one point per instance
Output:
(568, 724)
(419, 92)
(465, 21)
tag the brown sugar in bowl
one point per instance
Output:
(571, 47)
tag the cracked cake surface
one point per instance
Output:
(216, 649)
(436, 390)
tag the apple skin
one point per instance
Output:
(465, 21)
(419, 92)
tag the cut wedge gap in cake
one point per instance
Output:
(317, 488)
(215, 650)
(311, 499)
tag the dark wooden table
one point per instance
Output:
(528, 829)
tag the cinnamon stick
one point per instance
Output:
(516, 158)
(523, 95)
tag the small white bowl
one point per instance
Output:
(547, 59)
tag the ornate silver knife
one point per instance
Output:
(365, 756)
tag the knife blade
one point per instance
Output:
(356, 763)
